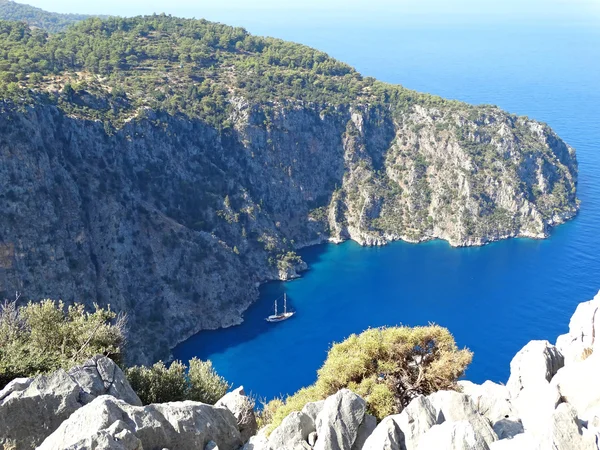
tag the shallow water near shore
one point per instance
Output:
(494, 298)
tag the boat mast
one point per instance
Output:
(284, 304)
(275, 307)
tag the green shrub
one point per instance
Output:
(42, 337)
(159, 384)
(388, 367)
(205, 385)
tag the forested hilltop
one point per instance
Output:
(36, 17)
(167, 166)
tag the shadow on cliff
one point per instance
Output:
(210, 342)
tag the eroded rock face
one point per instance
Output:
(338, 422)
(165, 192)
(565, 432)
(31, 409)
(456, 407)
(535, 363)
(579, 385)
(583, 337)
(387, 436)
(242, 408)
(415, 420)
(293, 431)
(181, 425)
(460, 435)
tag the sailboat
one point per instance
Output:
(281, 317)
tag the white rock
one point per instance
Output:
(490, 399)
(31, 409)
(522, 441)
(257, 442)
(294, 429)
(415, 420)
(579, 384)
(386, 436)
(364, 431)
(583, 327)
(339, 420)
(566, 432)
(535, 406)
(450, 435)
(177, 425)
(456, 407)
(538, 361)
(242, 408)
(101, 376)
(312, 409)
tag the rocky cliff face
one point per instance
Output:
(176, 222)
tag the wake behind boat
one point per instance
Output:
(281, 317)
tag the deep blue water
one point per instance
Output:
(494, 298)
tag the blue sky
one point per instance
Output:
(239, 12)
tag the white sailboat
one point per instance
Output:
(281, 317)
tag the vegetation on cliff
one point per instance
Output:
(161, 384)
(180, 162)
(45, 336)
(388, 367)
(38, 18)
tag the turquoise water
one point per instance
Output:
(494, 298)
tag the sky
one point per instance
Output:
(260, 12)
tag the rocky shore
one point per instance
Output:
(551, 401)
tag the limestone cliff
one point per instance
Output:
(176, 222)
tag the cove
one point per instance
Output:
(494, 299)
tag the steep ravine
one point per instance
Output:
(176, 223)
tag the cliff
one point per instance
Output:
(170, 185)
(551, 401)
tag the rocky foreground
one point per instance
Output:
(550, 402)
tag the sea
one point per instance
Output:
(494, 299)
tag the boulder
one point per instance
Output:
(519, 442)
(535, 406)
(490, 399)
(450, 435)
(16, 385)
(454, 406)
(178, 425)
(537, 362)
(387, 436)
(101, 376)
(313, 409)
(566, 432)
(31, 412)
(508, 428)
(579, 385)
(257, 442)
(243, 410)
(339, 421)
(294, 430)
(31, 409)
(415, 420)
(364, 431)
(580, 340)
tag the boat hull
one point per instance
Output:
(280, 317)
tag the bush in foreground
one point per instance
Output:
(45, 336)
(159, 384)
(388, 367)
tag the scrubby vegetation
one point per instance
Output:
(388, 367)
(159, 384)
(107, 68)
(42, 337)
